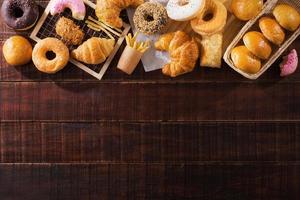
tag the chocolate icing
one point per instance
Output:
(19, 14)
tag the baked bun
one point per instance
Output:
(245, 9)
(271, 30)
(17, 51)
(244, 60)
(287, 16)
(257, 44)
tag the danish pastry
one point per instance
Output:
(211, 51)
(287, 16)
(244, 60)
(183, 51)
(212, 20)
(44, 64)
(257, 44)
(271, 30)
(245, 9)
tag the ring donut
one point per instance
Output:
(184, 10)
(76, 6)
(50, 66)
(20, 15)
(218, 17)
(150, 18)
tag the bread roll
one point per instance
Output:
(245, 9)
(272, 30)
(287, 16)
(244, 60)
(257, 44)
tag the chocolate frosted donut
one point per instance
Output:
(150, 18)
(19, 14)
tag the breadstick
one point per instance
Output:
(95, 28)
(101, 25)
(104, 24)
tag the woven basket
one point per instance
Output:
(252, 25)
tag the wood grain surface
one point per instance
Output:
(210, 134)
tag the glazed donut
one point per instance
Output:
(211, 26)
(184, 10)
(39, 55)
(20, 15)
(150, 18)
(76, 6)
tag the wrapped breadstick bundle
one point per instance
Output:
(129, 60)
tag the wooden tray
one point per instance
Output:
(253, 25)
(46, 28)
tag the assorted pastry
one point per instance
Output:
(132, 53)
(257, 45)
(207, 18)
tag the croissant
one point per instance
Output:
(183, 50)
(109, 11)
(94, 50)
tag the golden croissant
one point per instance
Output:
(183, 50)
(109, 11)
(94, 51)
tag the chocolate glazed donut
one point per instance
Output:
(20, 14)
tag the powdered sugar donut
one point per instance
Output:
(76, 6)
(184, 10)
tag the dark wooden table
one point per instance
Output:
(210, 134)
